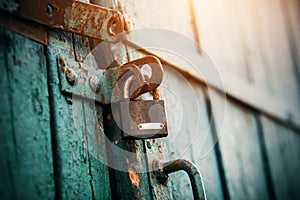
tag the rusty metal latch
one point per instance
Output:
(191, 169)
(106, 85)
(70, 15)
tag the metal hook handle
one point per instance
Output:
(187, 166)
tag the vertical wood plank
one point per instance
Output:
(239, 146)
(282, 149)
(204, 150)
(250, 29)
(75, 173)
(220, 35)
(291, 12)
(278, 56)
(25, 121)
(168, 14)
(189, 135)
(7, 188)
(95, 144)
(127, 162)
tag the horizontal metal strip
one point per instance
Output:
(73, 16)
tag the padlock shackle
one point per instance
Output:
(131, 84)
(157, 71)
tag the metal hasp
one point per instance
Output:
(187, 166)
(107, 85)
(73, 16)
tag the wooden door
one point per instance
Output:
(53, 142)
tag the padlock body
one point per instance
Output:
(143, 119)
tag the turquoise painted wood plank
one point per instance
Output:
(127, 161)
(95, 144)
(7, 188)
(240, 151)
(203, 149)
(283, 149)
(157, 150)
(76, 172)
(25, 120)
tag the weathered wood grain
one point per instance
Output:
(291, 12)
(220, 34)
(254, 46)
(7, 188)
(169, 14)
(282, 151)
(77, 175)
(240, 151)
(26, 159)
(190, 135)
(277, 53)
(127, 162)
(95, 145)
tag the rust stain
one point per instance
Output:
(92, 20)
(134, 177)
(62, 64)
(102, 98)
(74, 16)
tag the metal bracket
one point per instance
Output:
(86, 80)
(103, 85)
(73, 16)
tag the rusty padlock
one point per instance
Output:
(141, 119)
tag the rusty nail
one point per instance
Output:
(71, 76)
(49, 9)
(95, 83)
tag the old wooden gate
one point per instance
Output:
(54, 126)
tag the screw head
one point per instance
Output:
(49, 9)
(95, 84)
(71, 76)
